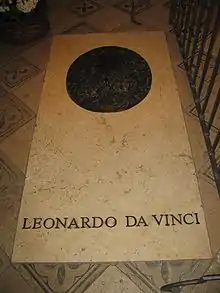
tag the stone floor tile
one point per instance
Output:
(11, 282)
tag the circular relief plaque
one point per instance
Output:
(108, 79)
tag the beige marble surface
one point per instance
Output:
(133, 163)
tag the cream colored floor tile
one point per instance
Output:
(140, 6)
(175, 54)
(85, 8)
(155, 274)
(215, 266)
(193, 127)
(212, 100)
(210, 199)
(156, 18)
(108, 19)
(129, 27)
(61, 278)
(11, 282)
(38, 54)
(206, 173)
(211, 206)
(13, 114)
(11, 185)
(107, 3)
(61, 19)
(180, 75)
(210, 287)
(4, 261)
(159, 2)
(11, 176)
(16, 71)
(56, 4)
(81, 28)
(30, 92)
(114, 281)
(17, 145)
(16, 132)
(25, 274)
(196, 141)
(7, 50)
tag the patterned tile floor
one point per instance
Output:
(21, 80)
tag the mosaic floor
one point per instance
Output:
(21, 78)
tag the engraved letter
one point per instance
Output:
(108, 222)
(49, 223)
(59, 223)
(141, 222)
(95, 224)
(73, 223)
(85, 221)
(25, 223)
(131, 221)
(175, 219)
(197, 218)
(37, 223)
(158, 220)
(185, 220)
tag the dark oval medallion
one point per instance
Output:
(108, 79)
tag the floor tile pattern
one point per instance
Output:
(85, 8)
(13, 113)
(139, 6)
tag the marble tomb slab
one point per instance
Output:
(111, 186)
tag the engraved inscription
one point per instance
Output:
(109, 222)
